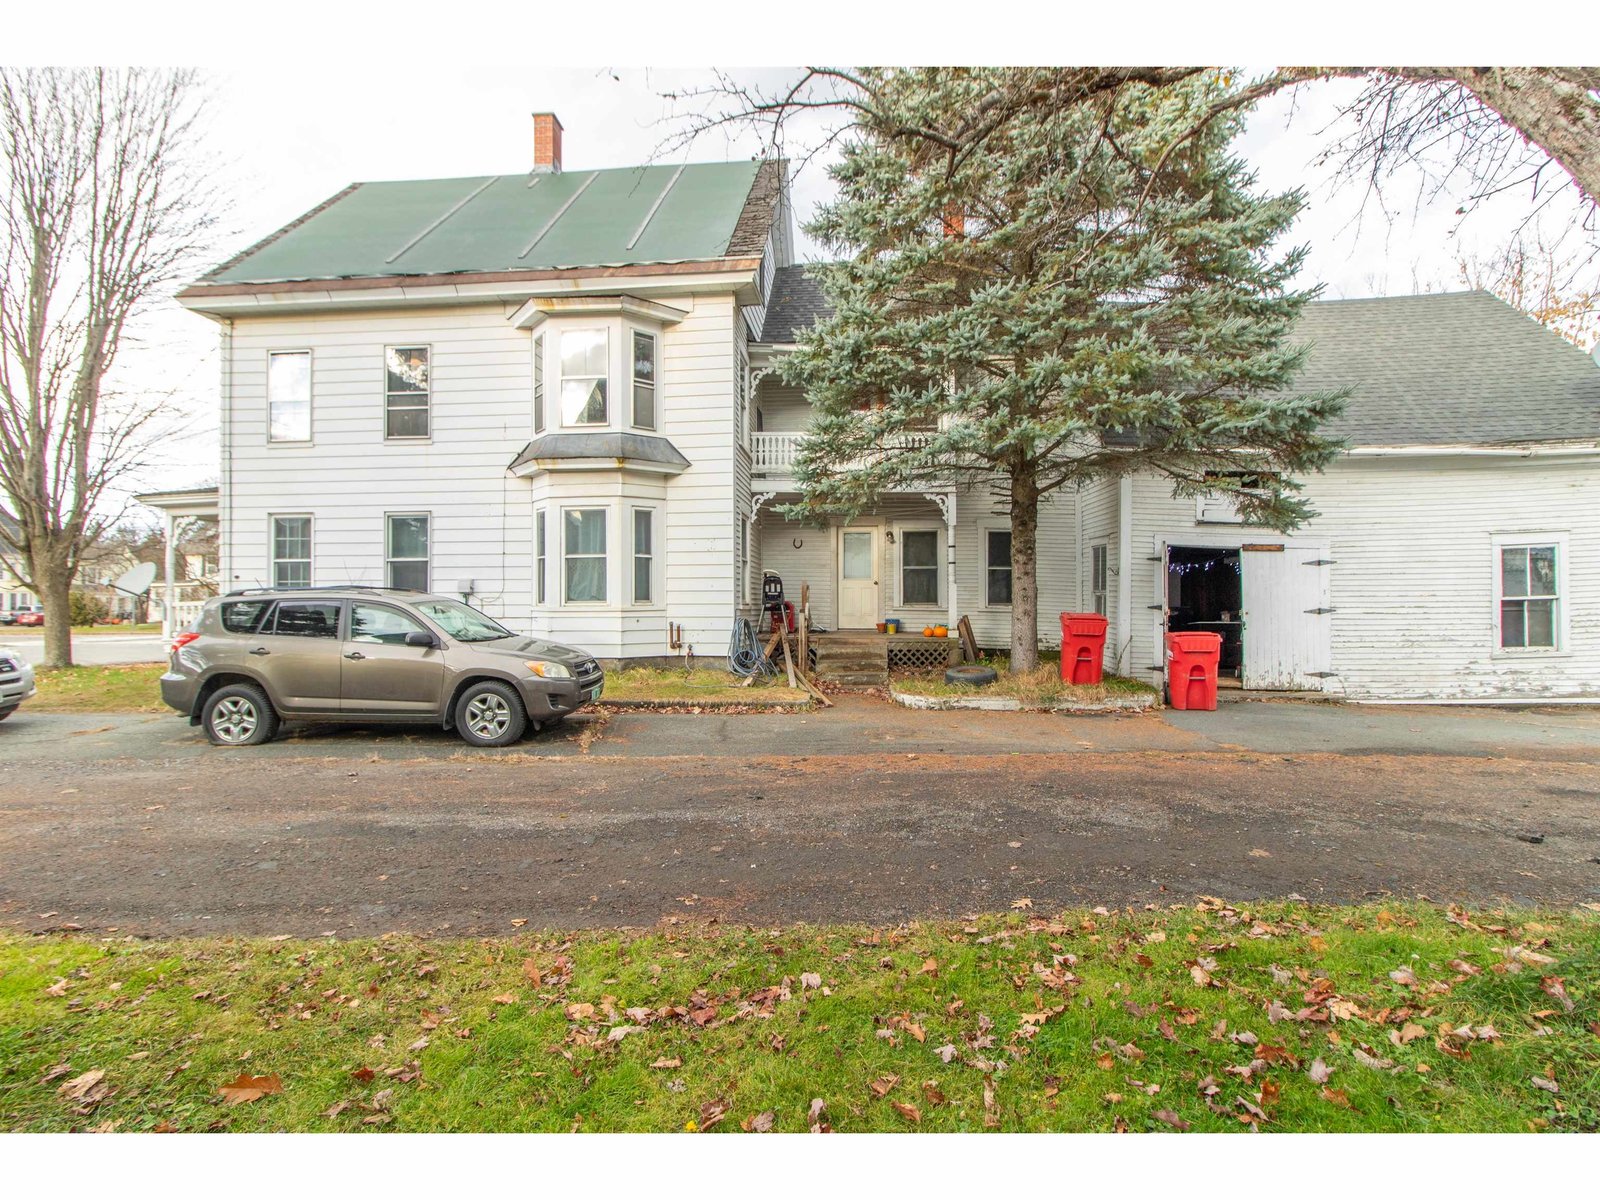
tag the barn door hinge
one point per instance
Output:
(1155, 607)
(1319, 562)
(1323, 674)
(1319, 611)
(1155, 558)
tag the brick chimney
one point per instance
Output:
(546, 144)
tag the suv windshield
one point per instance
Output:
(460, 622)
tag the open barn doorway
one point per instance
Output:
(1205, 595)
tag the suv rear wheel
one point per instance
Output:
(490, 713)
(239, 715)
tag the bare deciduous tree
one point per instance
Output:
(1554, 286)
(106, 204)
(1494, 127)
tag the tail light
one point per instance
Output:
(182, 640)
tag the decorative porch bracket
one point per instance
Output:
(757, 501)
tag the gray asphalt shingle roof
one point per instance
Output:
(618, 217)
(1439, 369)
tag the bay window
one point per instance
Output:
(538, 384)
(583, 553)
(585, 359)
(539, 557)
(644, 559)
(644, 380)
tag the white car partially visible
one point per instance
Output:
(16, 680)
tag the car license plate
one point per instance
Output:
(593, 693)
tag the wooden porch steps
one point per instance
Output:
(853, 661)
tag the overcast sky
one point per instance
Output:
(285, 150)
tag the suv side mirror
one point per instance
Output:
(418, 638)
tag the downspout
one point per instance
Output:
(225, 484)
(1125, 571)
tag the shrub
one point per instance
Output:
(86, 609)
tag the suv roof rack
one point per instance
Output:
(307, 591)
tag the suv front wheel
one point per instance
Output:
(490, 713)
(239, 715)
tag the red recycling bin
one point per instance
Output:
(1083, 647)
(1192, 669)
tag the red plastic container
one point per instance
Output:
(1083, 647)
(1192, 670)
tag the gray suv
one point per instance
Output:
(255, 658)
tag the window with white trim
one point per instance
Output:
(585, 360)
(291, 552)
(407, 541)
(289, 396)
(407, 392)
(644, 380)
(583, 553)
(919, 566)
(1528, 585)
(997, 567)
(540, 552)
(644, 555)
(1099, 577)
(538, 383)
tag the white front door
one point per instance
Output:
(1287, 635)
(858, 578)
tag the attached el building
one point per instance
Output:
(554, 392)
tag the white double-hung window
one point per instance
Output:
(407, 392)
(289, 396)
(291, 552)
(583, 553)
(407, 552)
(919, 566)
(644, 380)
(1530, 587)
(1098, 576)
(585, 358)
(644, 555)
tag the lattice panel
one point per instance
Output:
(920, 656)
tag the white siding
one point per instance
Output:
(1412, 585)
(783, 409)
(348, 477)
(1097, 521)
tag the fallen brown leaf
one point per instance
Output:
(883, 1085)
(1167, 1117)
(667, 1064)
(909, 1111)
(760, 1123)
(249, 1088)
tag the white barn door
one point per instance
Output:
(1288, 644)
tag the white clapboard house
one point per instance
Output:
(552, 392)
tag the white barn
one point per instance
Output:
(552, 392)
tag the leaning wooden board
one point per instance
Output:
(969, 644)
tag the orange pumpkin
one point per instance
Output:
(941, 631)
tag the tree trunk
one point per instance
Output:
(1024, 570)
(55, 583)
(1550, 106)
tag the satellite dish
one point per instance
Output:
(137, 579)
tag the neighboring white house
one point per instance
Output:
(552, 393)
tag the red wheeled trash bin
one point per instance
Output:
(1192, 669)
(1083, 647)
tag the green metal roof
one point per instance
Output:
(618, 217)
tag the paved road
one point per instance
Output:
(101, 649)
(864, 813)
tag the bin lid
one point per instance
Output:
(1195, 642)
(1086, 622)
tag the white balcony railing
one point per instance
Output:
(777, 453)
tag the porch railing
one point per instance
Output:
(777, 453)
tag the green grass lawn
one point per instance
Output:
(101, 630)
(1285, 1017)
(1039, 688)
(132, 688)
(676, 686)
